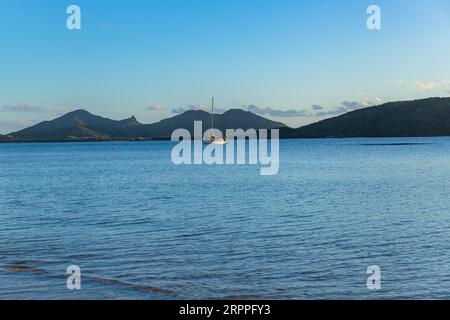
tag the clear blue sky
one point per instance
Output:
(278, 54)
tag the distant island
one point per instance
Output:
(418, 118)
(80, 125)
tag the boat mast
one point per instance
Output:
(212, 113)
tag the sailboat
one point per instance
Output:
(214, 139)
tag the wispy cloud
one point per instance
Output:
(347, 106)
(196, 108)
(26, 108)
(334, 112)
(273, 112)
(315, 110)
(355, 105)
(316, 107)
(8, 126)
(155, 107)
(22, 108)
(440, 85)
(429, 86)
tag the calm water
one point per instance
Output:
(141, 228)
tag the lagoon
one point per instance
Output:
(140, 227)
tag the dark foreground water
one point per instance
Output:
(140, 227)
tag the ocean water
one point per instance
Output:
(140, 227)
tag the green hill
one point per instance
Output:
(418, 118)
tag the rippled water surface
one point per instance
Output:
(140, 227)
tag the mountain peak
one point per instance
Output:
(236, 111)
(79, 112)
(132, 121)
(426, 117)
(80, 124)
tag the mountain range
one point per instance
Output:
(425, 117)
(80, 125)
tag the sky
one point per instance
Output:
(289, 60)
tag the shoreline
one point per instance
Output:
(169, 139)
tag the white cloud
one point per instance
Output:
(441, 85)
(429, 86)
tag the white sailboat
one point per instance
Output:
(214, 139)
